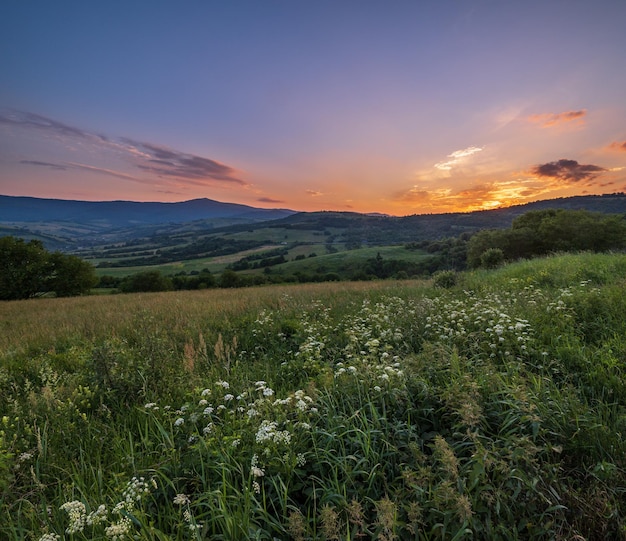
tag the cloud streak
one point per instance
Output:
(550, 120)
(270, 200)
(44, 164)
(567, 170)
(150, 159)
(618, 145)
(457, 157)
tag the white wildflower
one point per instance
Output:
(119, 530)
(77, 514)
(181, 499)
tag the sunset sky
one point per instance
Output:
(401, 107)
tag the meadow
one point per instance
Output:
(476, 405)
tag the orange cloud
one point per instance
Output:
(484, 196)
(549, 120)
(619, 146)
(314, 193)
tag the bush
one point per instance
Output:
(445, 279)
(492, 258)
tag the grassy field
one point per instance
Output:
(343, 262)
(492, 409)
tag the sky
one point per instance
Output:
(390, 106)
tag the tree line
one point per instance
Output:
(541, 232)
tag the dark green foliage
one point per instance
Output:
(145, 282)
(70, 275)
(28, 270)
(491, 258)
(229, 278)
(445, 279)
(546, 231)
(23, 268)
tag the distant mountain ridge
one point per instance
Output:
(127, 213)
(69, 225)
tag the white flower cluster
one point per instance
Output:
(118, 530)
(80, 519)
(268, 432)
(373, 335)
(50, 537)
(77, 514)
(482, 323)
(137, 488)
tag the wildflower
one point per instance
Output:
(97, 516)
(50, 537)
(207, 429)
(150, 405)
(208, 410)
(205, 392)
(119, 530)
(179, 421)
(224, 384)
(181, 499)
(77, 515)
(228, 397)
(135, 489)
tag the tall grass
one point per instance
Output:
(392, 410)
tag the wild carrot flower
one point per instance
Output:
(181, 499)
(77, 514)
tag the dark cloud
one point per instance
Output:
(568, 170)
(169, 163)
(269, 200)
(152, 159)
(32, 120)
(45, 164)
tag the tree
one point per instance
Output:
(27, 269)
(492, 258)
(23, 268)
(229, 278)
(145, 282)
(70, 275)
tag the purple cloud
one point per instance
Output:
(568, 170)
(154, 160)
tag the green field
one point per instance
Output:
(344, 262)
(489, 409)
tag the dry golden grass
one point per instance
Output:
(42, 323)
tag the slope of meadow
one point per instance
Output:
(491, 409)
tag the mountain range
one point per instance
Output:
(67, 224)
(127, 213)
